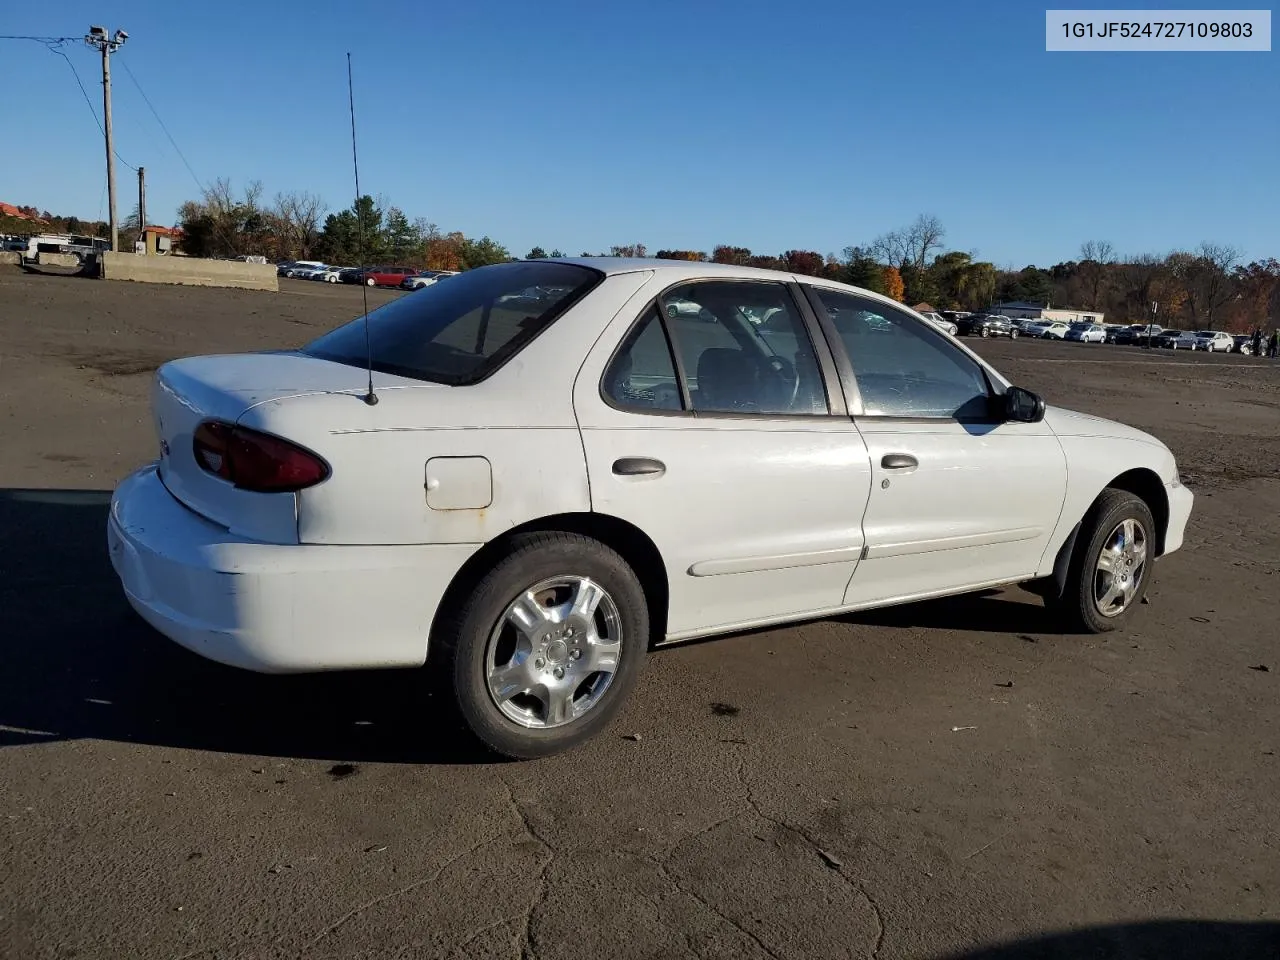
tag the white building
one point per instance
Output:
(1021, 310)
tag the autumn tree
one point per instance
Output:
(692, 255)
(738, 256)
(893, 285)
(804, 262)
(629, 250)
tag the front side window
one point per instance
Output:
(901, 366)
(461, 331)
(744, 349)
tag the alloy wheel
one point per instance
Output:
(1120, 568)
(554, 652)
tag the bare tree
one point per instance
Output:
(298, 215)
(1095, 257)
(1211, 275)
(911, 246)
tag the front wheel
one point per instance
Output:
(985, 333)
(544, 649)
(1111, 568)
(1013, 334)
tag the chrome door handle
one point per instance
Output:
(638, 467)
(898, 461)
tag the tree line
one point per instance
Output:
(1209, 287)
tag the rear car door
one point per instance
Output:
(959, 497)
(712, 420)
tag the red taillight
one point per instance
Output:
(255, 461)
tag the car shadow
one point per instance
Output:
(79, 663)
(988, 611)
(1154, 940)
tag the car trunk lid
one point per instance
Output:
(187, 392)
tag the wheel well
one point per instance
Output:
(630, 542)
(1147, 486)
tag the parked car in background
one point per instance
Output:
(1057, 330)
(331, 274)
(1112, 331)
(299, 266)
(987, 325)
(1136, 334)
(1175, 340)
(386, 276)
(316, 272)
(941, 322)
(1083, 332)
(424, 278)
(349, 275)
(284, 266)
(1242, 343)
(285, 529)
(1214, 341)
(1024, 324)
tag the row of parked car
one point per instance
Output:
(1083, 331)
(406, 278)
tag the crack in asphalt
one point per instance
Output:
(399, 892)
(528, 942)
(858, 886)
(706, 905)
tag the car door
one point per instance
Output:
(959, 498)
(726, 442)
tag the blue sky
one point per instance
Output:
(675, 123)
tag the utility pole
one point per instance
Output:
(97, 37)
(142, 208)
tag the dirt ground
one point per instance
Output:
(948, 779)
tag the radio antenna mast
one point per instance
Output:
(370, 397)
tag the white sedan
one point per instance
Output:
(425, 279)
(525, 495)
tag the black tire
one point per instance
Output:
(1077, 606)
(461, 642)
(1013, 334)
(986, 332)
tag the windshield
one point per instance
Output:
(461, 331)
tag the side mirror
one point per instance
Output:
(1023, 406)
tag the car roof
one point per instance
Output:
(678, 269)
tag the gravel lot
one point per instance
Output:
(953, 778)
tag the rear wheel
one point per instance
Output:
(1111, 569)
(544, 649)
(370, 281)
(985, 333)
(1013, 334)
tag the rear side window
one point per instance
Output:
(461, 331)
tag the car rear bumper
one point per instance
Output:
(273, 608)
(1181, 501)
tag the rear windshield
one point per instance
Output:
(461, 331)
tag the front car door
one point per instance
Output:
(959, 497)
(713, 421)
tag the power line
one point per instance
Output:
(39, 39)
(54, 45)
(125, 63)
